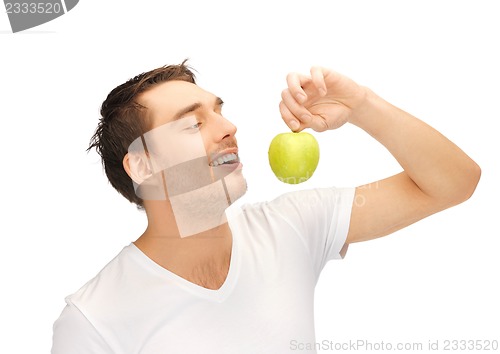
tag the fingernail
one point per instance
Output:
(294, 125)
(305, 118)
(301, 97)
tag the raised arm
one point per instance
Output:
(436, 173)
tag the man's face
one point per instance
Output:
(192, 152)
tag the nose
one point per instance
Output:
(224, 128)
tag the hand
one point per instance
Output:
(325, 100)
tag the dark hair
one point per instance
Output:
(123, 120)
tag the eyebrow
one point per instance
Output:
(193, 107)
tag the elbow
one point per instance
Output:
(469, 181)
(476, 176)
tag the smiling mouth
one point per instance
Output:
(226, 159)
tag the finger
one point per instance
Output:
(318, 79)
(295, 108)
(290, 120)
(295, 83)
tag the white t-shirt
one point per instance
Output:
(279, 249)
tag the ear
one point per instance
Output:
(137, 167)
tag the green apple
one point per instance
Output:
(293, 156)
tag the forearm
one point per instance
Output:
(437, 166)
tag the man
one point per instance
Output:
(205, 278)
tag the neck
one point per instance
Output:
(169, 221)
(163, 243)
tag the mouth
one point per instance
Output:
(225, 158)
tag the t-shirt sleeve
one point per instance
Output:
(74, 334)
(321, 219)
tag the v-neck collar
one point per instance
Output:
(217, 295)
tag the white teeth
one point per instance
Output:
(222, 159)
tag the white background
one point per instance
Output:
(61, 221)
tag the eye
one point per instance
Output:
(194, 126)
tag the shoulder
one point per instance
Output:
(113, 281)
(117, 263)
(302, 201)
(77, 328)
(302, 211)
